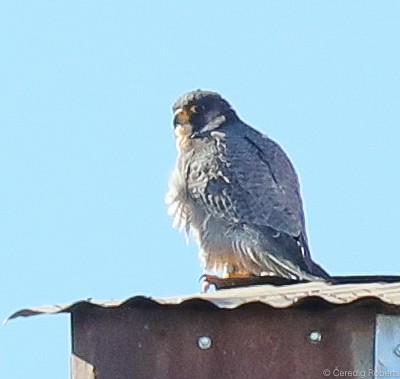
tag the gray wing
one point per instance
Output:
(263, 185)
(275, 199)
(256, 188)
(261, 188)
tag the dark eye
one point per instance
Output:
(194, 109)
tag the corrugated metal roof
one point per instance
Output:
(274, 296)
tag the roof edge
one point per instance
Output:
(275, 297)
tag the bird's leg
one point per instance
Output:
(226, 272)
(231, 276)
(234, 273)
(237, 275)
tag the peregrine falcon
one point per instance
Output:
(237, 192)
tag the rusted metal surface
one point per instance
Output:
(199, 340)
(261, 331)
(275, 296)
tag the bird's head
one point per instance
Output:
(200, 111)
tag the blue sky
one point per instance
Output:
(86, 142)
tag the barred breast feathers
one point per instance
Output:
(183, 184)
(177, 200)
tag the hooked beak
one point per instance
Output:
(181, 117)
(181, 123)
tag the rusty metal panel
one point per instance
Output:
(198, 340)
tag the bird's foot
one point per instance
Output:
(236, 275)
(208, 282)
(234, 280)
(213, 282)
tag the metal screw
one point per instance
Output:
(315, 336)
(397, 350)
(204, 342)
